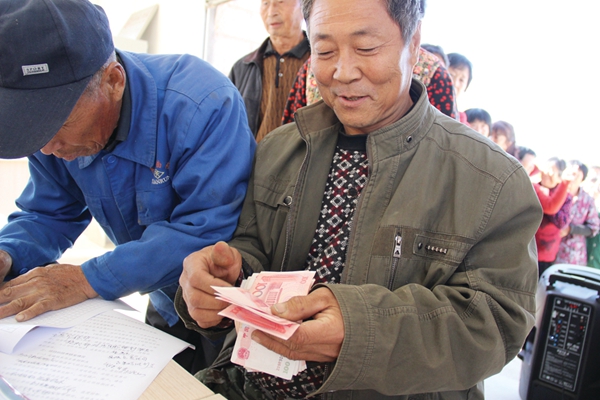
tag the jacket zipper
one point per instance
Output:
(395, 259)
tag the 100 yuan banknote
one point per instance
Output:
(252, 309)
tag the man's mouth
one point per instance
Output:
(352, 97)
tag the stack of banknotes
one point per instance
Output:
(251, 307)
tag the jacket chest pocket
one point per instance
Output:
(403, 255)
(272, 207)
(155, 205)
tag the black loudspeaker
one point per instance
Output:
(561, 356)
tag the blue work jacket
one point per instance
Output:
(174, 186)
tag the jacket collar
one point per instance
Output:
(257, 55)
(298, 51)
(391, 140)
(266, 48)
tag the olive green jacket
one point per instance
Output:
(438, 288)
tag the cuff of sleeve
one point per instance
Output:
(214, 333)
(356, 348)
(245, 272)
(101, 279)
(582, 230)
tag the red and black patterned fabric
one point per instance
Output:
(327, 255)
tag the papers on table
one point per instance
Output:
(11, 331)
(107, 356)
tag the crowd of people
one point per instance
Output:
(338, 150)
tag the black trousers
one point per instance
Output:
(192, 360)
(542, 266)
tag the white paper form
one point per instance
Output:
(11, 331)
(110, 356)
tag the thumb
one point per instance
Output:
(225, 260)
(222, 255)
(297, 308)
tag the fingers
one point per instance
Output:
(311, 342)
(203, 307)
(217, 265)
(303, 307)
(25, 308)
(205, 318)
(43, 289)
(221, 262)
(318, 339)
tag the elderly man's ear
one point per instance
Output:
(415, 44)
(113, 81)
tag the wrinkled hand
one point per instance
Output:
(318, 339)
(5, 264)
(44, 289)
(217, 265)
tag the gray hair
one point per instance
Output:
(406, 13)
(93, 85)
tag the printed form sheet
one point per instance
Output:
(106, 357)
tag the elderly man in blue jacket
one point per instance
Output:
(156, 148)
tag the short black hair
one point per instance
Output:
(456, 60)
(582, 167)
(559, 163)
(523, 151)
(479, 114)
(406, 13)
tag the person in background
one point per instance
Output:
(437, 51)
(265, 76)
(479, 120)
(420, 232)
(592, 186)
(527, 159)
(158, 157)
(583, 223)
(461, 71)
(553, 194)
(428, 70)
(503, 134)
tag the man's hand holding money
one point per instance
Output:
(217, 265)
(319, 337)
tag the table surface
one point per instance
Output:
(174, 382)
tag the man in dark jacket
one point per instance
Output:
(265, 76)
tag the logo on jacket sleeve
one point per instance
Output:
(160, 174)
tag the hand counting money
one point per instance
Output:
(251, 305)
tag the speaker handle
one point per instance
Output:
(577, 280)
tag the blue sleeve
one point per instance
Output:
(53, 214)
(211, 153)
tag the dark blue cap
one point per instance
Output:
(49, 51)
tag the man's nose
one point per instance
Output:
(51, 146)
(273, 9)
(346, 68)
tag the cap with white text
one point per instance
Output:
(49, 51)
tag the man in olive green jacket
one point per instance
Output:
(436, 263)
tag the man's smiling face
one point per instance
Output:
(362, 65)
